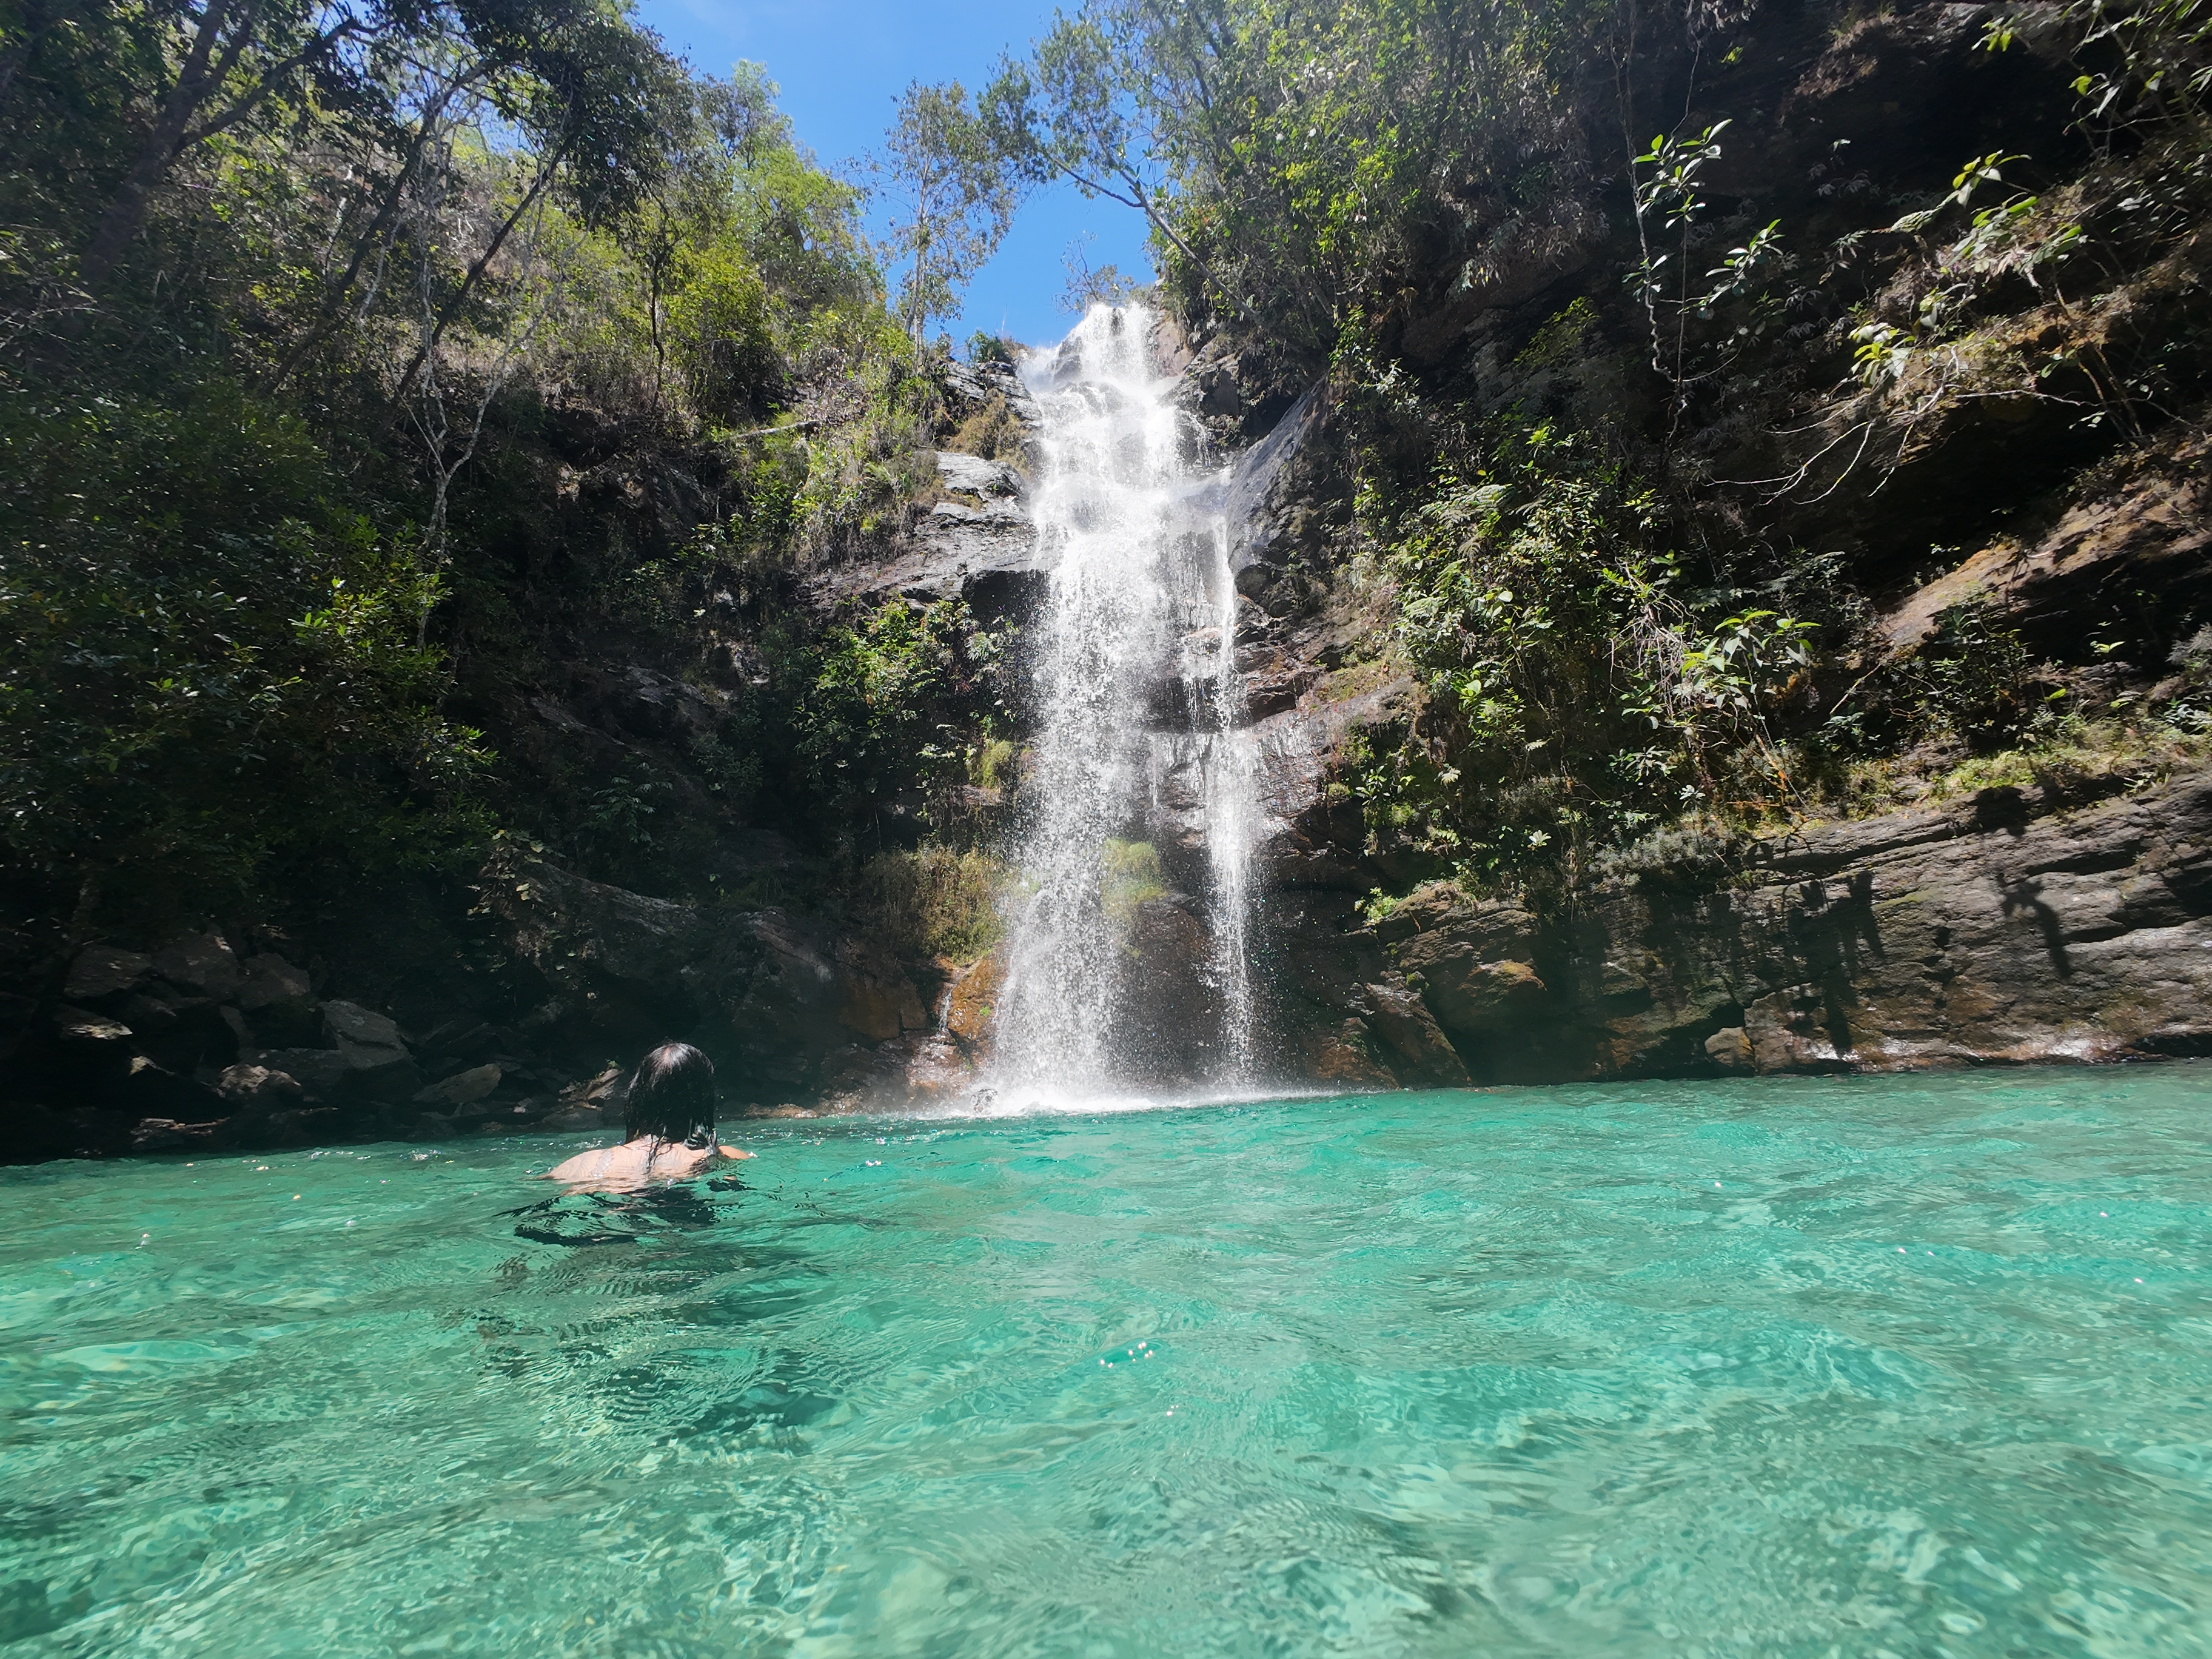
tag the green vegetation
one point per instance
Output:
(1129, 876)
(935, 901)
(371, 377)
(1639, 451)
(427, 423)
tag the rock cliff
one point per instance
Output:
(2002, 931)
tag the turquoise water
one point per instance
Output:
(1853, 1367)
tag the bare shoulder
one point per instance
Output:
(597, 1164)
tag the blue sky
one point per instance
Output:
(841, 64)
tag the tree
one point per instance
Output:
(956, 190)
(235, 58)
(1076, 111)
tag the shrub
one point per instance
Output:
(935, 902)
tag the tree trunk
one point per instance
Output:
(126, 211)
(451, 307)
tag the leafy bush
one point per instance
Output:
(212, 661)
(935, 902)
(865, 724)
(1577, 693)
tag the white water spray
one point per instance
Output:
(1142, 754)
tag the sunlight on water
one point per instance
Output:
(1809, 1367)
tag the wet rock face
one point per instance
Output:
(782, 1002)
(976, 542)
(190, 1044)
(1916, 939)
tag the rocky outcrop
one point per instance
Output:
(789, 1007)
(1984, 934)
(206, 1041)
(974, 541)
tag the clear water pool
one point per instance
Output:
(1853, 1367)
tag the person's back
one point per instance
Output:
(668, 1127)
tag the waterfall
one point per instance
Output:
(1142, 777)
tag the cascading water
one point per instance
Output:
(1142, 773)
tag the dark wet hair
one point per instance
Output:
(671, 1097)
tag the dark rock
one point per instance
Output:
(101, 970)
(970, 1003)
(150, 1089)
(165, 1134)
(182, 1033)
(318, 1071)
(648, 703)
(302, 1126)
(97, 1033)
(1474, 966)
(878, 1001)
(770, 995)
(257, 1091)
(1218, 391)
(1421, 1055)
(575, 1119)
(1730, 1048)
(1170, 1005)
(349, 1022)
(281, 1001)
(461, 1088)
(1345, 1055)
(267, 980)
(983, 548)
(1909, 940)
(374, 1062)
(202, 963)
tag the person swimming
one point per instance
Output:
(668, 1127)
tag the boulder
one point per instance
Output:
(770, 995)
(972, 1003)
(1422, 1056)
(1730, 1048)
(1171, 999)
(270, 985)
(1467, 994)
(1971, 934)
(573, 1119)
(1343, 1056)
(167, 1134)
(938, 1067)
(875, 997)
(603, 1091)
(101, 970)
(257, 1091)
(971, 474)
(374, 1059)
(82, 1028)
(150, 1089)
(299, 1126)
(983, 548)
(320, 1073)
(183, 1033)
(202, 963)
(349, 1022)
(462, 1087)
